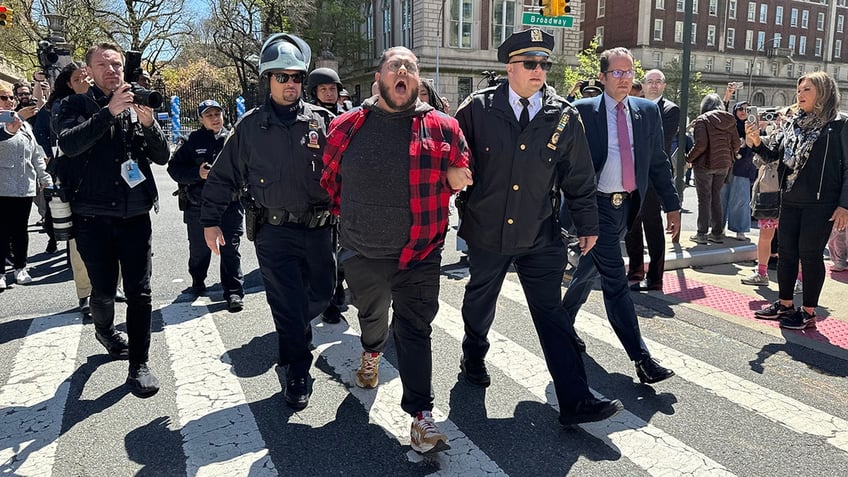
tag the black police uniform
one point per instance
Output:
(275, 152)
(510, 217)
(202, 146)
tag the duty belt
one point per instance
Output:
(616, 198)
(317, 217)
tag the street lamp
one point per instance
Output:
(441, 26)
(770, 53)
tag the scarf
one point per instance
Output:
(798, 141)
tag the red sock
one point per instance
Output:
(762, 270)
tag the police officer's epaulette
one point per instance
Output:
(244, 117)
(321, 111)
(568, 110)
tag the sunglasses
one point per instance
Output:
(284, 77)
(531, 65)
(3, 97)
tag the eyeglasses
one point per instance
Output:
(284, 77)
(3, 97)
(531, 65)
(620, 73)
(395, 65)
(23, 94)
(654, 82)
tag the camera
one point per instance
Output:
(768, 116)
(141, 95)
(60, 212)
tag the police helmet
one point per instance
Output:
(283, 51)
(321, 76)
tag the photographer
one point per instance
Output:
(110, 141)
(190, 167)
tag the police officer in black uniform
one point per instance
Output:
(528, 144)
(190, 167)
(275, 153)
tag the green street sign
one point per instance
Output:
(537, 19)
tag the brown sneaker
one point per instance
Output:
(368, 374)
(424, 436)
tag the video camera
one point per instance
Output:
(141, 95)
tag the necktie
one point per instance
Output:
(524, 119)
(625, 152)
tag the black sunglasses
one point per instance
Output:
(531, 65)
(284, 77)
(6, 98)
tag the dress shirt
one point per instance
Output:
(609, 179)
(534, 107)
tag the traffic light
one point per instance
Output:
(6, 16)
(547, 9)
(565, 9)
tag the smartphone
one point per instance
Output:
(7, 116)
(752, 114)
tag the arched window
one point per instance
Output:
(759, 99)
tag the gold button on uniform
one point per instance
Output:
(509, 221)
(515, 187)
(261, 181)
(522, 147)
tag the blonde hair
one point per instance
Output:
(827, 94)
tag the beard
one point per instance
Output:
(384, 95)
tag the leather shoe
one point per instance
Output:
(141, 381)
(650, 371)
(475, 372)
(637, 275)
(198, 287)
(647, 284)
(115, 344)
(235, 303)
(331, 315)
(589, 410)
(297, 390)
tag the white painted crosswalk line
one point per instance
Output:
(652, 449)
(33, 400)
(340, 346)
(220, 434)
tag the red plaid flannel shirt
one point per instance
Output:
(437, 143)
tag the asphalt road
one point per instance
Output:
(743, 402)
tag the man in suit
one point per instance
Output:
(649, 214)
(626, 142)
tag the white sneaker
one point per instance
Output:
(424, 436)
(799, 287)
(3, 282)
(756, 279)
(22, 277)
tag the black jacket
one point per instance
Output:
(276, 162)
(202, 146)
(824, 179)
(516, 173)
(96, 144)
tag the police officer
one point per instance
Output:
(190, 167)
(527, 144)
(324, 86)
(275, 153)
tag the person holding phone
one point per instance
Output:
(736, 192)
(18, 152)
(190, 167)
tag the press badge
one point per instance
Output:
(131, 174)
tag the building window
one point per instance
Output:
(463, 88)
(836, 73)
(369, 30)
(749, 40)
(791, 44)
(658, 29)
(731, 9)
(775, 69)
(758, 68)
(818, 46)
(763, 13)
(658, 59)
(406, 22)
(713, 8)
(728, 65)
(793, 17)
(711, 33)
(694, 37)
(802, 45)
(708, 64)
(460, 23)
(599, 34)
(660, 5)
(761, 40)
(778, 15)
(775, 43)
(801, 69)
(805, 18)
(602, 8)
(387, 25)
(789, 72)
(837, 49)
(678, 32)
(680, 5)
(840, 23)
(731, 37)
(752, 11)
(503, 20)
(820, 21)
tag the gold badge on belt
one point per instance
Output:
(617, 199)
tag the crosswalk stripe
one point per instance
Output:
(220, 434)
(33, 399)
(340, 346)
(654, 450)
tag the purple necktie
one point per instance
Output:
(628, 171)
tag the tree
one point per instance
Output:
(588, 67)
(342, 18)
(673, 72)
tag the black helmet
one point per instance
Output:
(323, 76)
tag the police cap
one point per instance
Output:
(532, 42)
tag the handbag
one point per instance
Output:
(765, 197)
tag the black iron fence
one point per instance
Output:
(193, 95)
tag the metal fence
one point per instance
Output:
(195, 93)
